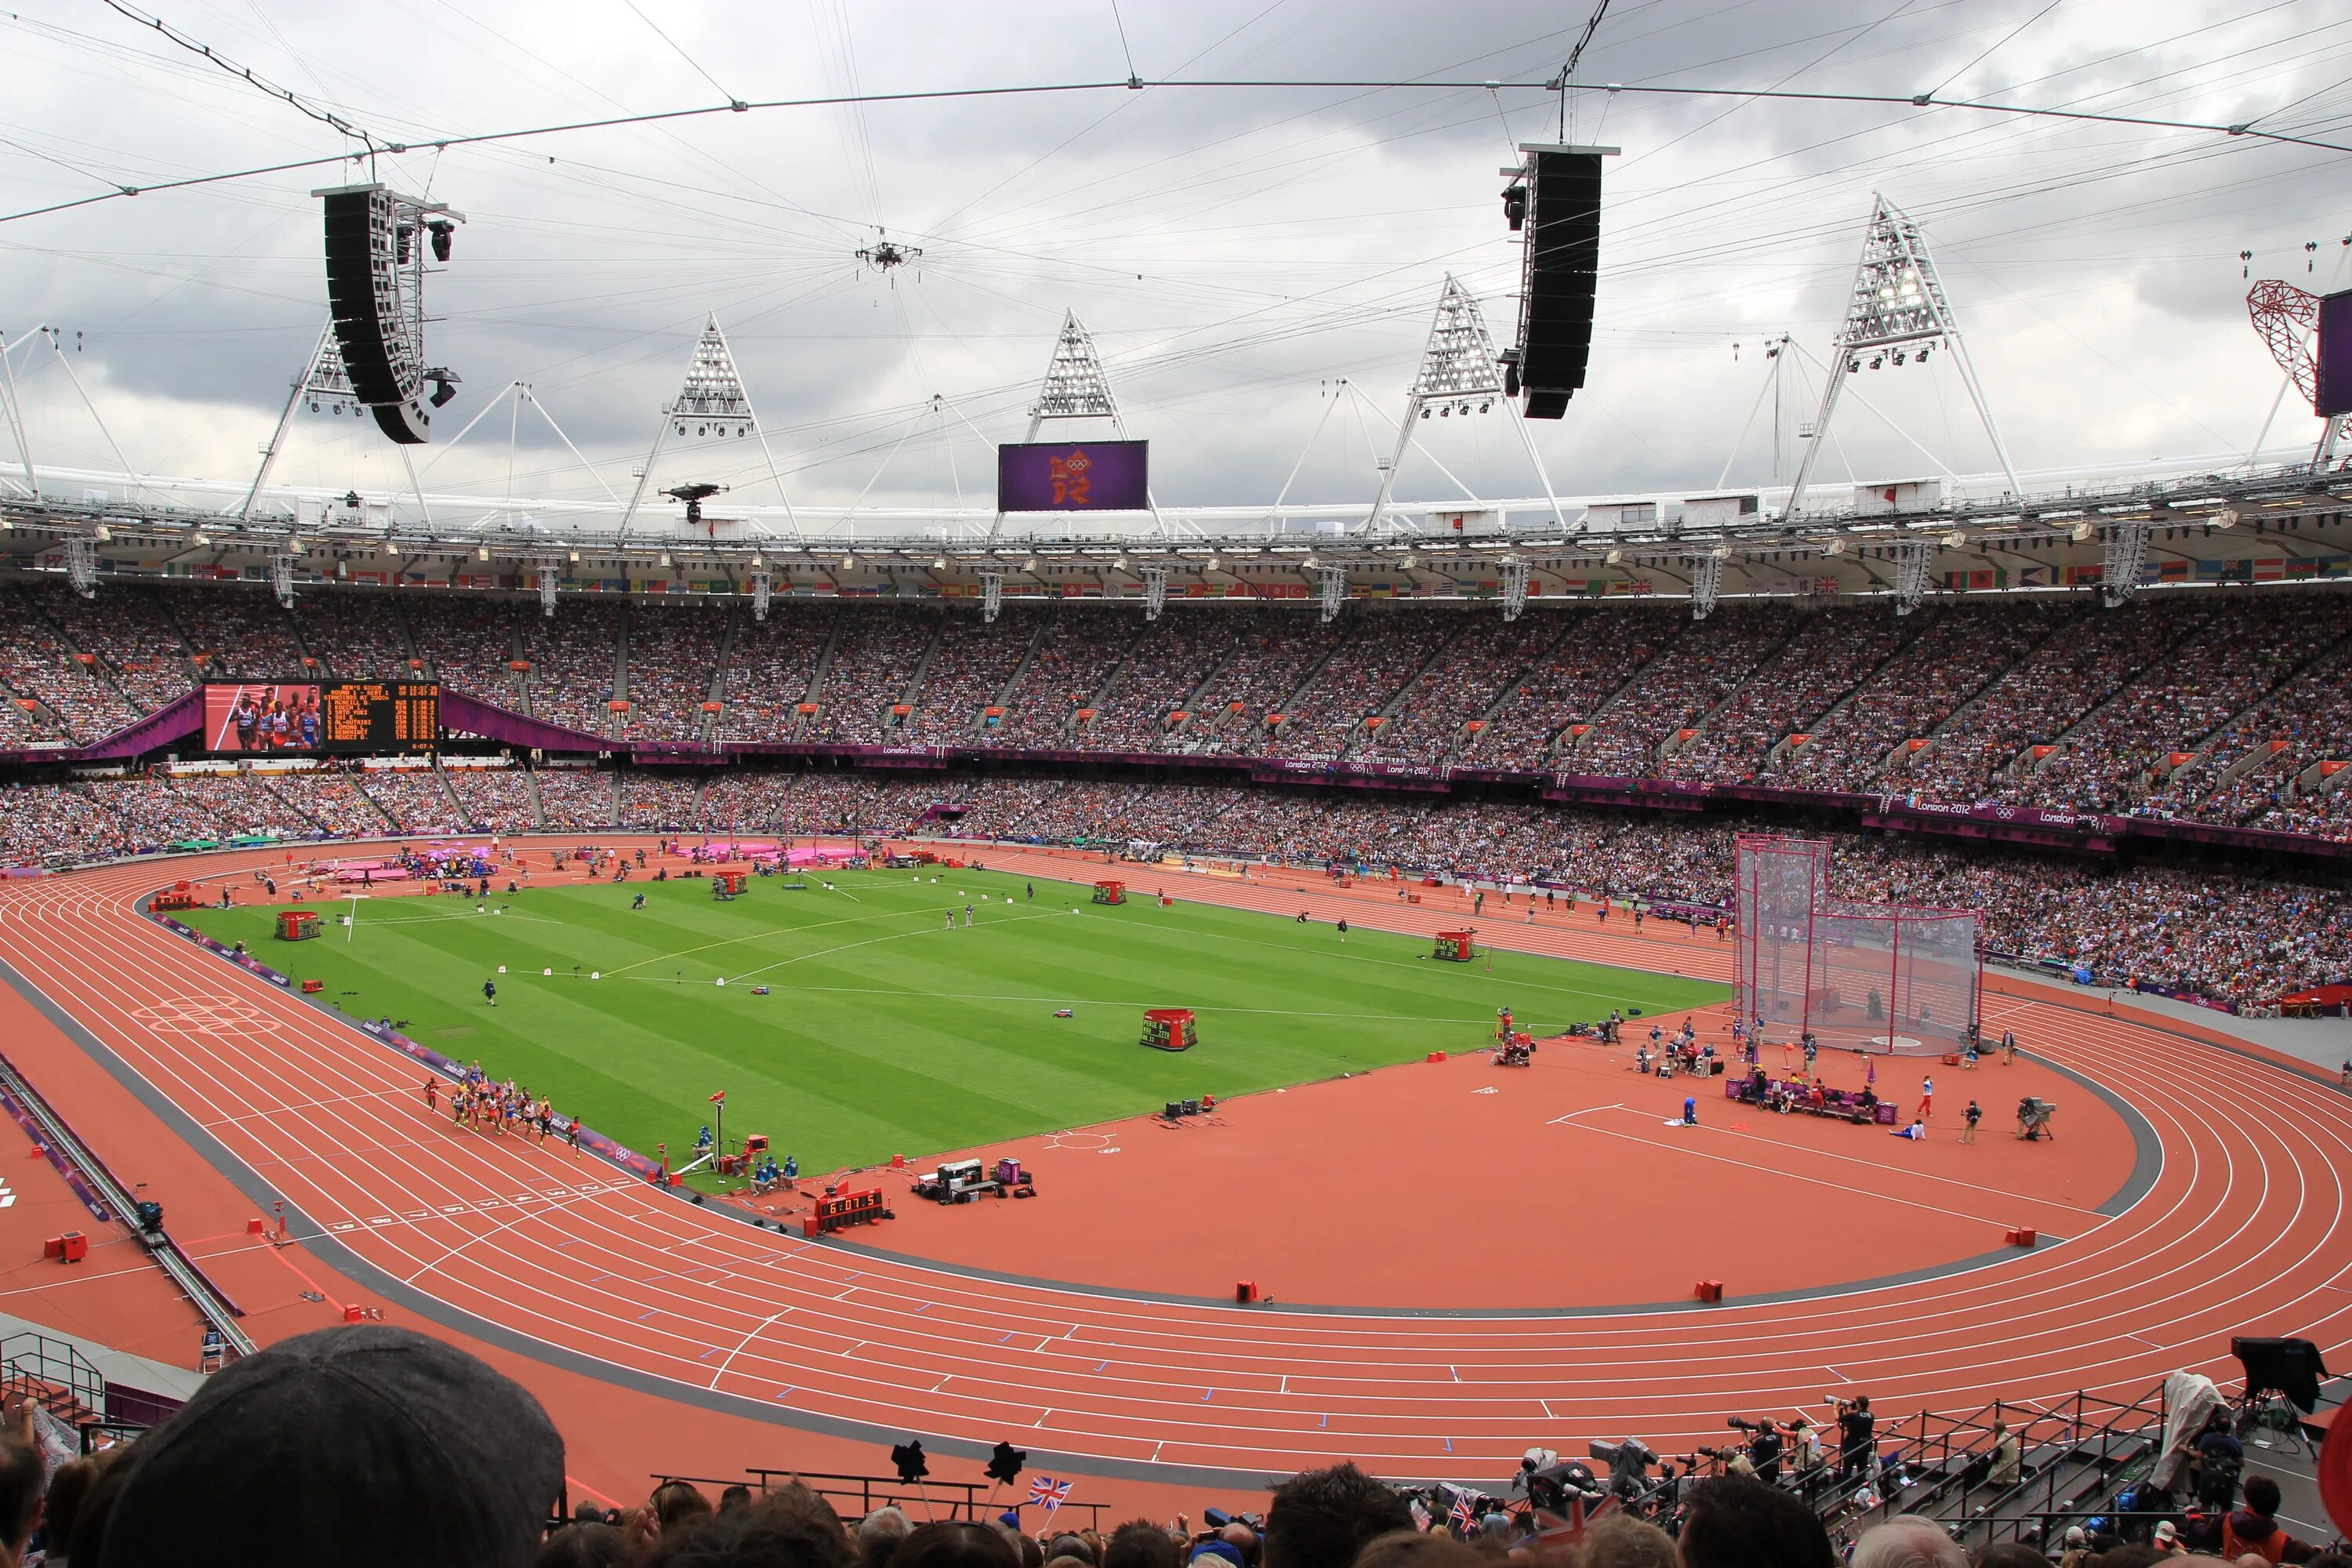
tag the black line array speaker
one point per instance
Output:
(1562, 225)
(363, 295)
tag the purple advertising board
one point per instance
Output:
(1074, 476)
(2333, 394)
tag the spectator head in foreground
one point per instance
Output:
(2010, 1554)
(756, 1537)
(1735, 1522)
(584, 1543)
(1620, 1540)
(1321, 1519)
(879, 1534)
(946, 1544)
(1414, 1549)
(1138, 1543)
(22, 1473)
(1909, 1541)
(395, 1448)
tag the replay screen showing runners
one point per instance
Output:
(308, 718)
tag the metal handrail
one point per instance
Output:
(218, 1311)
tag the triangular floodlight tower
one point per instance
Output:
(325, 387)
(1075, 387)
(1897, 300)
(713, 402)
(1457, 366)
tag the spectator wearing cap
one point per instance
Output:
(406, 1450)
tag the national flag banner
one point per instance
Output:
(1555, 1532)
(1420, 1515)
(1051, 1493)
(1462, 1518)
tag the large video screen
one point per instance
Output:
(1078, 475)
(306, 717)
(2334, 391)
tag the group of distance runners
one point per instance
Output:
(479, 1101)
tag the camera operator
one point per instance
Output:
(1857, 1436)
(1764, 1447)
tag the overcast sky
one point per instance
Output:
(1236, 251)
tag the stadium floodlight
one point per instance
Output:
(1897, 300)
(939, 563)
(2079, 532)
(1210, 565)
(482, 552)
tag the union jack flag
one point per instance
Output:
(1052, 1493)
(1462, 1518)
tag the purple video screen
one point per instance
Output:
(2334, 394)
(1078, 475)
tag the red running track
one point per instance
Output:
(2241, 1230)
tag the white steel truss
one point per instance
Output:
(1075, 385)
(713, 402)
(281, 577)
(1898, 301)
(763, 588)
(991, 596)
(81, 564)
(1155, 592)
(1331, 591)
(1458, 374)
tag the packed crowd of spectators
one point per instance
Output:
(1163, 666)
(492, 800)
(653, 800)
(331, 800)
(239, 632)
(2213, 705)
(972, 663)
(130, 634)
(673, 662)
(574, 658)
(573, 798)
(1699, 670)
(1274, 655)
(875, 658)
(1472, 673)
(1079, 649)
(1382, 655)
(416, 799)
(771, 668)
(1953, 653)
(468, 643)
(355, 636)
(1833, 652)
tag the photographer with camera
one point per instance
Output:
(1857, 1436)
(1764, 1447)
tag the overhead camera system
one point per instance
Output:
(1553, 204)
(376, 241)
(885, 253)
(694, 495)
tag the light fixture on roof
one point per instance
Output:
(2080, 531)
(575, 558)
(1211, 563)
(390, 548)
(482, 552)
(665, 558)
(939, 563)
(1030, 565)
(1405, 560)
(2229, 517)
(1614, 557)
(103, 533)
(1309, 564)
(200, 539)
(1118, 563)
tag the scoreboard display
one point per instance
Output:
(372, 718)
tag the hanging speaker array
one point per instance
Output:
(1553, 204)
